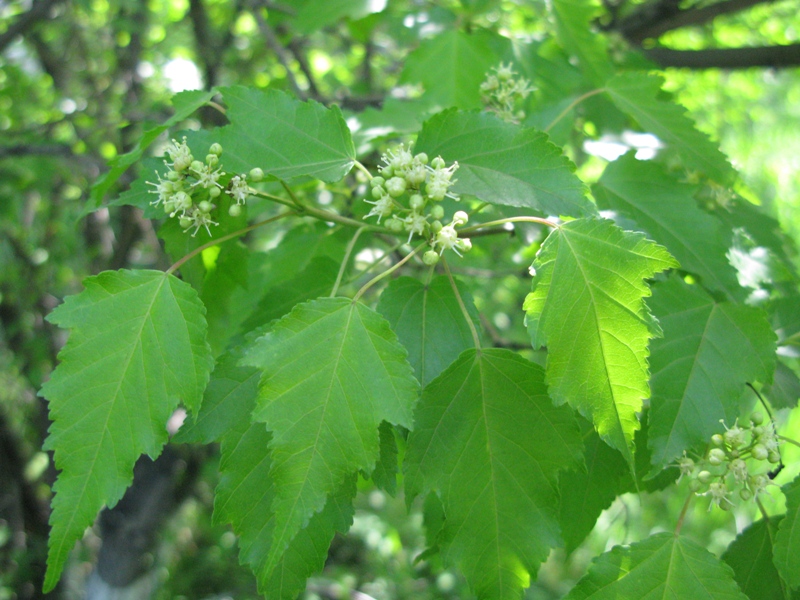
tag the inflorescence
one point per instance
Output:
(191, 187)
(736, 462)
(502, 93)
(407, 194)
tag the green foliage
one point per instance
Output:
(787, 541)
(709, 351)
(667, 211)
(662, 566)
(499, 489)
(501, 163)
(332, 371)
(350, 292)
(284, 137)
(750, 557)
(137, 347)
(428, 323)
(452, 65)
(586, 492)
(637, 94)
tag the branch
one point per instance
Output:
(297, 50)
(683, 18)
(37, 12)
(204, 42)
(274, 44)
(727, 58)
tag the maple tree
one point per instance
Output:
(319, 321)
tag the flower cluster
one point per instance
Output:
(191, 187)
(407, 193)
(502, 92)
(738, 460)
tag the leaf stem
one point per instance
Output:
(572, 105)
(790, 440)
(346, 259)
(509, 220)
(363, 169)
(239, 232)
(294, 198)
(217, 106)
(388, 271)
(322, 215)
(475, 338)
(682, 516)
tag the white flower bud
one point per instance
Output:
(396, 186)
(760, 452)
(460, 218)
(430, 258)
(716, 457)
(416, 202)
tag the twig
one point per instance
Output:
(177, 265)
(272, 41)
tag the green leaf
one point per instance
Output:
(283, 136)
(229, 399)
(332, 371)
(700, 367)
(489, 441)
(784, 314)
(385, 473)
(315, 280)
(428, 322)
(313, 15)
(785, 389)
(503, 163)
(136, 349)
(185, 104)
(787, 541)
(574, 21)
(587, 306)
(750, 557)
(244, 497)
(663, 566)
(666, 210)
(764, 229)
(636, 94)
(585, 493)
(139, 194)
(452, 66)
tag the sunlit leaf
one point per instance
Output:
(587, 306)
